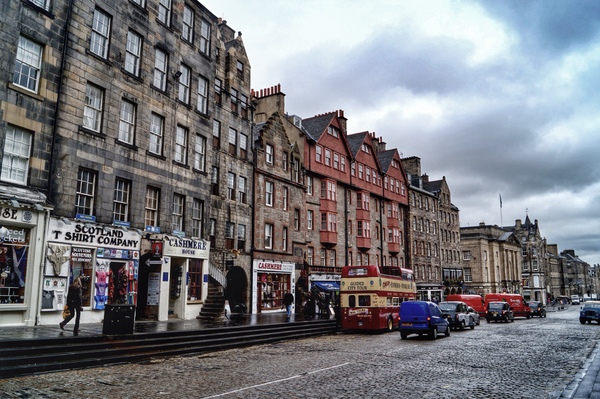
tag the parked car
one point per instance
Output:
(457, 314)
(516, 302)
(537, 308)
(475, 301)
(574, 299)
(590, 311)
(421, 317)
(499, 311)
(475, 315)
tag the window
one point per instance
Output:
(332, 131)
(241, 237)
(244, 106)
(285, 198)
(230, 186)
(164, 11)
(229, 228)
(240, 69)
(197, 218)
(151, 206)
(269, 150)
(127, 121)
(156, 134)
(343, 163)
(336, 160)
(141, 3)
(212, 231)
(296, 170)
(297, 219)
(214, 181)
(268, 236)
(45, 4)
(200, 153)
(187, 31)
(309, 185)
(100, 34)
(327, 157)
(310, 251)
(466, 255)
(178, 208)
(17, 150)
(205, 37)
(28, 64)
(368, 174)
(133, 53)
(92, 110)
(216, 134)
(218, 87)
(184, 84)
(195, 280)
(234, 100)
(468, 275)
(121, 200)
(232, 141)
(243, 146)
(332, 258)
(319, 154)
(242, 189)
(284, 239)
(181, 145)
(86, 192)
(269, 193)
(309, 220)
(284, 160)
(202, 95)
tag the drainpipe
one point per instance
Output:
(253, 106)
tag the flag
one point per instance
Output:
(500, 200)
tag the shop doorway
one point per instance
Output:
(148, 287)
(175, 288)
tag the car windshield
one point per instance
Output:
(496, 306)
(589, 305)
(533, 304)
(447, 307)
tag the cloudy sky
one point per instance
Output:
(501, 97)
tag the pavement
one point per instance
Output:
(8, 333)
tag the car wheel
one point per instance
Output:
(433, 333)
(447, 331)
(488, 320)
(390, 324)
(512, 320)
(472, 324)
(527, 316)
(462, 325)
(403, 335)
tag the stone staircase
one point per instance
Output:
(214, 306)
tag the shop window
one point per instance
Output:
(195, 280)
(13, 264)
(272, 289)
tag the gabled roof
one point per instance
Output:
(317, 125)
(433, 186)
(385, 159)
(355, 141)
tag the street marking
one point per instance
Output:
(276, 381)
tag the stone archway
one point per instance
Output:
(237, 289)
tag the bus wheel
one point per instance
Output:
(390, 324)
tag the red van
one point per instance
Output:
(474, 301)
(516, 301)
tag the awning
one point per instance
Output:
(327, 285)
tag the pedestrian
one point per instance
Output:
(288, 300)
(74, 304)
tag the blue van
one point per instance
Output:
(420, 317)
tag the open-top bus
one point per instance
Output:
(370, 296)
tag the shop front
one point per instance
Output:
(105, 259)
(21, 236)
(325, 290)
(273, 279)
(174, 279)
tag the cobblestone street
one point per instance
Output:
(533, 358)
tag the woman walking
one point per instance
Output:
(74, 304)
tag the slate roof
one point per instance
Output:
(316, 126)
(385, 159)
(355, 141)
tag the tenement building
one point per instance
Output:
(32, 40)
(137, 131)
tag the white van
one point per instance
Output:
(574, 299)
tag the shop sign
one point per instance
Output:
(92, 235)
(82, 254)
(274, 267)
(186, 247)
(13, 236)
(12, 214)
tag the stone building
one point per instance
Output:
(534, 259)
(492, 258)
(577, 275)
(280, 219)
(137, 130)
(32, 50)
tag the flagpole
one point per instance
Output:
(501, 224)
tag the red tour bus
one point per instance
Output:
(370, 296)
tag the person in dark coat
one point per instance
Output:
(74, 303)
(288, 300)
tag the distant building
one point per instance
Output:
(493, 257)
